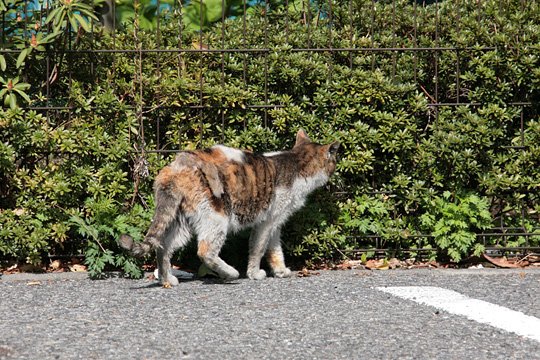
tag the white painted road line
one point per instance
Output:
(477, 310)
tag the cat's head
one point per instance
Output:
(315, 158)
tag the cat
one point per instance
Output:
(211, 192)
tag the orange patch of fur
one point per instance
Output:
(203, 248)
(274, 260)
(185, 183)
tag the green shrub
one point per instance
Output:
(72, 180)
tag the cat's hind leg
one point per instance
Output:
(208, 252)
(178, 235)
(211, 237)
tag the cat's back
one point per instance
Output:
(236, 182)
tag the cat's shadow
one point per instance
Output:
(203, 280)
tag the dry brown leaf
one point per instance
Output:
(381, 264)
(305, 273)
(12, 269)
(77, 268)
(394, 263)
(505, 263)
(56, 264)
(349, 264)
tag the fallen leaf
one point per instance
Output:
(349, 264)
(394, 263)
(56, 264)
(504, 263)
(204, 271)
(12, 269)
(381, 264)
(306, 273)
(167, 285)
(77, 268)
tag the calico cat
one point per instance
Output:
(209, 193)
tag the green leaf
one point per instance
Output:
(23, 95)
(22, 57)
(51, 37)
(73, 22)
(83, 22)
(12, 101)
(7, 99)
(53, 14)
(3, 64)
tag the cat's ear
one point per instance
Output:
(302, 137)
(333, 148)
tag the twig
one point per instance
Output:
(427, 94)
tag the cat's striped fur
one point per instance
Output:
(209, 193)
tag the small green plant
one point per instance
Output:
(101, 229)
(454, 222)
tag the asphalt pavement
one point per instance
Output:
(328, 315)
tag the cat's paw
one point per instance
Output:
(283, 273)
(169, 281)
(256, 274)
(231, 275)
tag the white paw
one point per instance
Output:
(256, 274)
(169, 281)
(179, 274)
(231, 275)
(283, 273)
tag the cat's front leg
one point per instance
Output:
(275, 258)
(258, 242)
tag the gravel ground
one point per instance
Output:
(333, 315)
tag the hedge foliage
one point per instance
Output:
(72, 180)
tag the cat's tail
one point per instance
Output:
(166, 213)
(137, 249)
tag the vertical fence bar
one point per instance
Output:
(394, 41)
(351, 35)
(48, 70)
(265, 110)
(307, 20)
(436, 52)
(244, 55)
(25, 11)
(201, 76)
(330, 41)
(415, 40)
(222, 67)
(372, 33)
